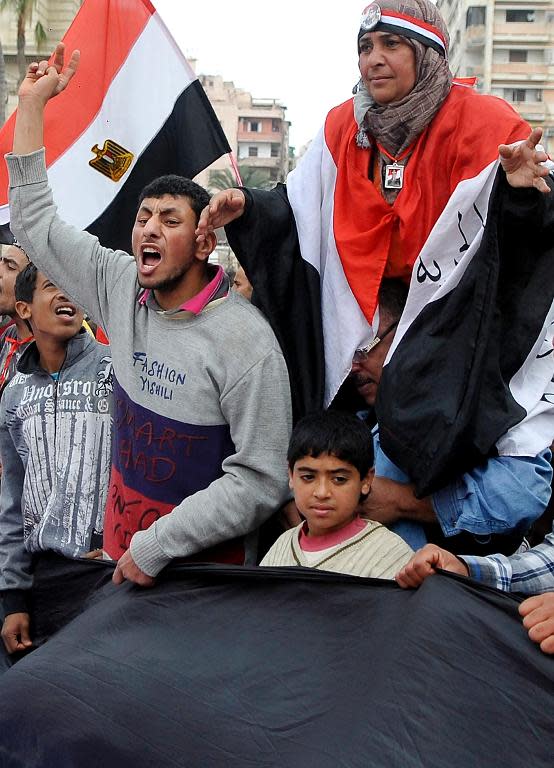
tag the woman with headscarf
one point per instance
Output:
(399, 184)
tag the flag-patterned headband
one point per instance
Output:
(373, 18)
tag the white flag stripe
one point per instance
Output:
(442, 246)
(344, 325)
(394, 20)
(146, 88)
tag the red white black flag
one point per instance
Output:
(134, 111)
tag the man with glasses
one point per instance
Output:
(484, 511)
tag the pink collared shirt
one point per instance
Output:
(197, 303)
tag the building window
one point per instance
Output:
(254, 126)
(475, 16)
(275, 150)
(523, 94)
(276, 125)
(515, 94)
(517, 54)
(252, 151)
(520, 15)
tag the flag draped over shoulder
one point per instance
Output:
(280, 668)
(134, 111)
(471, 371)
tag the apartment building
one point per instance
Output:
(509, 47)
(257, 130)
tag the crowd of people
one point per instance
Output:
(173, 442)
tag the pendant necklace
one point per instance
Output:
(394, 172)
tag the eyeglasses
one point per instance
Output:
(361, 355)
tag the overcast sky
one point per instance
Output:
(298, 51)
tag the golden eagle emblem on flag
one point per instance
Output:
(112, 160)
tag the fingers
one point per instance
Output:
(538, 613)
(73, 64)
(529, 605)
(543, 632)
(58, 57)
(421, 566)
(127, 570)
(540, 184)
(424, 563)
(94, 554)
(506, 151)
(202, 227)
(524, 163)
(224, 207)
(15, 632)
(537, 610)
(118, 577)
(54, 67)
(143, 580)
(534, 137)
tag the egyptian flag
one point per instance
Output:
(135, 111)
(468, 381)
(470, 373)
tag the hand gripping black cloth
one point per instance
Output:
(219, 666)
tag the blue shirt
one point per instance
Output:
(507, 494)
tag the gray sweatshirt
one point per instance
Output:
(55, 445)
(202, 402)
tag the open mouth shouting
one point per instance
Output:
(149, 259)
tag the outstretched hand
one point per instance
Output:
(47, 79)
(523, 163)
(224, 207)
(424, 563)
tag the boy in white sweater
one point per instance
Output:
(330, 460)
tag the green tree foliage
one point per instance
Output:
(23, 10)
(251, 177)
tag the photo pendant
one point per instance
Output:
(394, 176)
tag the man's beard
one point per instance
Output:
(167, 283)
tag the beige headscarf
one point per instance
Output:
(395, 126)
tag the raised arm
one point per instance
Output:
(42, 82)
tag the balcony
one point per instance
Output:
(517, 73)
(521, 32)
(532, 111)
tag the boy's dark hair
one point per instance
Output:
(341, 434)
(25, 283)
(177, 186)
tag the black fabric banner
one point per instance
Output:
(220, 666)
